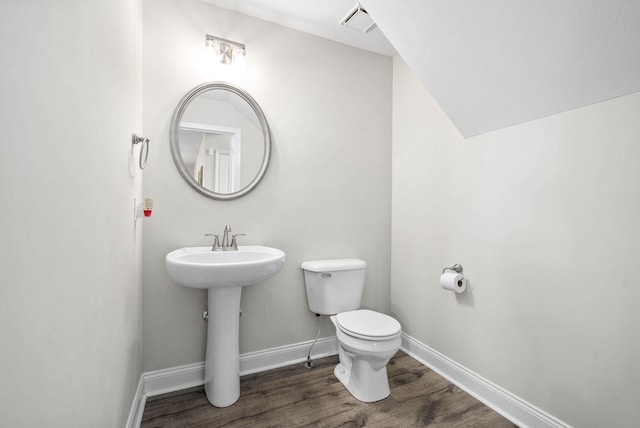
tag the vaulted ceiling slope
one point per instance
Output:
(495, 63)
(321, 18)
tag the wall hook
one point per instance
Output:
(144, 149)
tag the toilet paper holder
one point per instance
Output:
(456, 268)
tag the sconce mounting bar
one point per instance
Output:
(229, 42)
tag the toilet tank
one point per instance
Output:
(335, 285)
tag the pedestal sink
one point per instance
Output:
(223, 274)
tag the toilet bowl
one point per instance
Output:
(368, 340)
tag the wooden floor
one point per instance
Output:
(295, 396)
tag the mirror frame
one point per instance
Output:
(175, 140)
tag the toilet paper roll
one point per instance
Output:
(453, 281)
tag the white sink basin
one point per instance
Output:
(223, 274)
(199, 267)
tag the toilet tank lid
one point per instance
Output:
(333, 265)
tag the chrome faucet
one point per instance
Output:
(225, 237)
(226, 245)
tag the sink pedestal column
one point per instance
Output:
(222, 365)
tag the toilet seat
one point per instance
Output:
(368, 325)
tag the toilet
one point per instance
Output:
(367, 339)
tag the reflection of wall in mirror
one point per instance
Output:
(189, 142)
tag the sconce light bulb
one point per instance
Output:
(226, 53)
(212, 46)
(239, 57)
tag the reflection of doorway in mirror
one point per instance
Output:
(223, 168)
(213, 155)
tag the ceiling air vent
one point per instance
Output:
(358, 19)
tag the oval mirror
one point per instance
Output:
(220, 140)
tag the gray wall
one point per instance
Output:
(327, 192)
(69, 249)
(544, 218)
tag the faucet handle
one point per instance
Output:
(234, 245)
(216, 241)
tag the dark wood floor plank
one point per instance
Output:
(295, 396)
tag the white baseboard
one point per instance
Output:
(515, 409)
(137, 407)
(254, 362)
(182, 377)
(503, 402)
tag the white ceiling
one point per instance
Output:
(496, 63)
(491, 63)
(321, 18)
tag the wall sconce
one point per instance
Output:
(226, 51)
